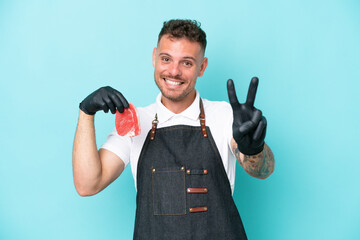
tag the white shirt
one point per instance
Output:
(218, 117)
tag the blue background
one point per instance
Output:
(306, 54)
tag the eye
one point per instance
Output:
(165, 59)
(188, 64)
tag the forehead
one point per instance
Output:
(179, 46)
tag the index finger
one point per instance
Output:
(117, 102)
(122, 98)
(232, 94)
(252, 91)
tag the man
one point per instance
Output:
(183, 161)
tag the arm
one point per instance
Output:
(260, 165)
(92, 170)
(249, 130)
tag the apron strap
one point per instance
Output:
(201, 117)
(153, 128)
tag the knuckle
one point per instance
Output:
(264, 121)
(103, 105)
(106, 89)
(259, 112)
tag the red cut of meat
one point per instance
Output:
(127, 123)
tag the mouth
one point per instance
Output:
(172, 82)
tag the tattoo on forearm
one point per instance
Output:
(237, 153)
(260, 165)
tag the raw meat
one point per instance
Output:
(127, 123)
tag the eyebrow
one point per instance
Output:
(187, 57)
(190, 58)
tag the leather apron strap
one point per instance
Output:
(201, 117)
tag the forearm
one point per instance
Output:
(86, 161)
(260, 165)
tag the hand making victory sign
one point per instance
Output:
(249, 126)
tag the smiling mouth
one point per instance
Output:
(171, 82)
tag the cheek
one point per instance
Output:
(195, 73)
(157, 70)
(160, 68)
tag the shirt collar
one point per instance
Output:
(164, 114)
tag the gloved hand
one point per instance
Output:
(249, 126)
(104, 98)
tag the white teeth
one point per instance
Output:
(171, 82)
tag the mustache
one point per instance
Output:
(173, 77)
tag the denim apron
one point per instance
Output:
(183, 191)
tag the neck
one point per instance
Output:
(178, 106)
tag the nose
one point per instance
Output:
(174, 69)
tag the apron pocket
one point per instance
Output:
(169, 196)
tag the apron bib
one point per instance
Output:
(183, 191)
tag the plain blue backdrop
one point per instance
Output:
(305, 53)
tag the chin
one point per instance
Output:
(176, 97)
(173, 97)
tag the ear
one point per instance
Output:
(203, 66)
(154, 57)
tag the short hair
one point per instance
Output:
(184, 28)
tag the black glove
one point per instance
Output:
(249, 126)
(104, 98)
